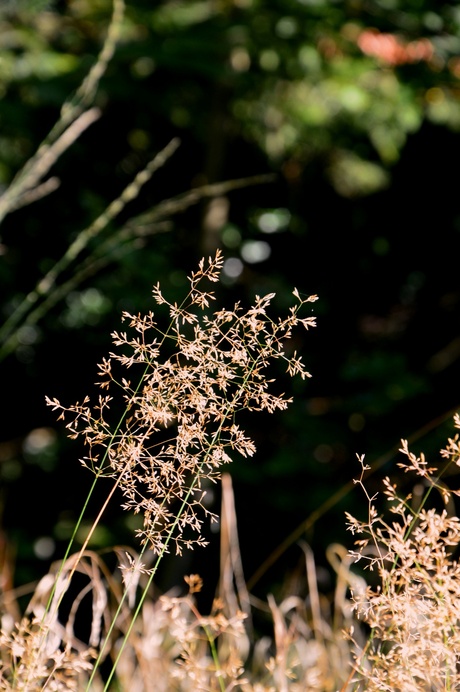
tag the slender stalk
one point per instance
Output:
(48, 283)
(71, 123)
(164, 549)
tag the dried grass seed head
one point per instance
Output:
(179, 424)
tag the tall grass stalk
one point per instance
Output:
(217, 367)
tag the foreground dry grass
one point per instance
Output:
(172, 646)
(399, 634)
(187, 386)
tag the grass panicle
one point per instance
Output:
(413, 611)
(162, 429)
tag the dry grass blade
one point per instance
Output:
(231, 567)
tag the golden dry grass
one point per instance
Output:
(398, 632)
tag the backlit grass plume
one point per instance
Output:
(179, 424)
(414, 610)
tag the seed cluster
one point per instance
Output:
(179, 422)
